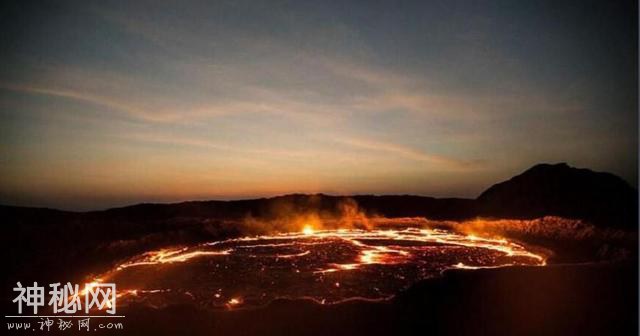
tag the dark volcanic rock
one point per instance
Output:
(601, 198)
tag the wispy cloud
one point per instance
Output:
(265, 153)
(307, 96)
(82, 97)
(406, 152)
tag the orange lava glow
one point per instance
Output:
(307, 230)
(327, 266)
(170, 256)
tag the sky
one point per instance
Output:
(105, 104)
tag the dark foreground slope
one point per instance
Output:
(556, 300)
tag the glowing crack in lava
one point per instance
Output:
(328, 266)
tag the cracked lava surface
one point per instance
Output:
(328, 266)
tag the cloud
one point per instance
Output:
(407, 153)
(265, 153)
(82, 97)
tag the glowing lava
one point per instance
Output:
(308, 230)
(327, 266)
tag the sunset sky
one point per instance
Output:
(111, 103)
